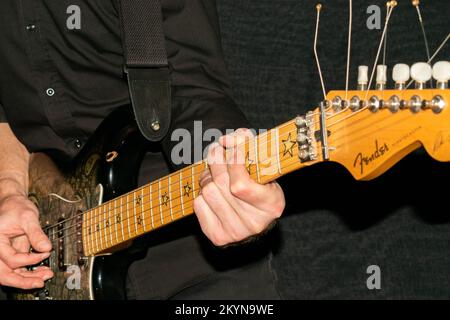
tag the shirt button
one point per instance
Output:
(77, 144)
(31, 27)
(50, 92)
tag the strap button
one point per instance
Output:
(155, 126)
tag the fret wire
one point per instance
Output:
(95, 230)
(160, 202)
(128, 217)
(277, 142)
(121, 218)
(115, 219)
(181, 193)
(88, 236)
(83, 237)
(143, 209)
(135, 214)
(92, 230)
(109, 224)
(256, 158)
(104, 222)
(100, 225)
(193, 181)
(170, 199)
(151, 207)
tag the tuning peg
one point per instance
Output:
(363, 77)
(381, 77)
(400, 74)
(421, 73)
(441, 73)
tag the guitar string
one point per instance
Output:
(379, 49)
(265, 143)
(177, 176)
(101, 215)
(245, 144)
(157, 192)
(259, 137)
(156, 221)
(168, 216)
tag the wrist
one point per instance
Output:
(11, 187)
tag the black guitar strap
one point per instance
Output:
(146, 66)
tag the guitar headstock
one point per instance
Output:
(372, 130)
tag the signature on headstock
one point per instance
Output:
(362, 161)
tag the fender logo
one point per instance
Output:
(363, 161)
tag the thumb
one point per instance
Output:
(38, 240)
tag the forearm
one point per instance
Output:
(14, 162)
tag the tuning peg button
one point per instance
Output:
(421, 73)
(381, 77)
(441, 73)
(400, 74)
(363, 77)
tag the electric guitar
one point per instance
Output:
(94, 210)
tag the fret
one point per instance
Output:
(193, 180)
(165, 198)
(136, 227)
(91, 231)
(146, 208)
(110, 224)
(143, 211)
(170, 196)
(277, 142)
(88, 238)
(256, 158)
(99, 227)
(122, 222)
(115, 220)
(160, 204)
(96, 231)
(151, 207)
(105, 226)
(128, 216)
(83, 235)
(181, 192)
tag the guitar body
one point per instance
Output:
(106, 168)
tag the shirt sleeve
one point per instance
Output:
(200, 80)
(2, 115)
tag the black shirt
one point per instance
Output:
(58, 84)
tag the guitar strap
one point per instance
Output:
(146, 66)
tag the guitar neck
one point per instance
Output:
(268, 156)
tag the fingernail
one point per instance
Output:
(46, 277)
(44, 245)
